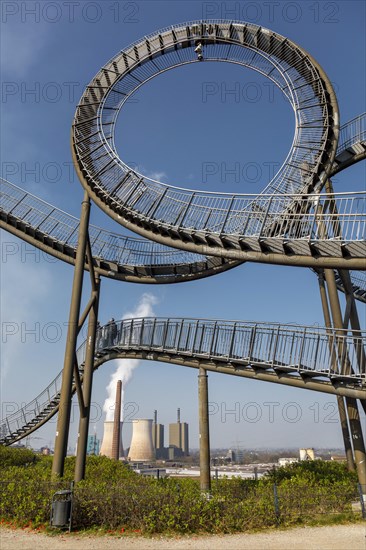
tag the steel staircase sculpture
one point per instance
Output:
(301, 356)
(291, 222)
(275, 226)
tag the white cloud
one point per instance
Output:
(125, 367)
(157, 175)
(154, 175)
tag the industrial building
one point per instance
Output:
(235, 456)
(178, 438)
(307, 454)
(93, 446)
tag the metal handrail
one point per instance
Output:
(107, 245)
(354, 131)
(350, 215)
(299, 349)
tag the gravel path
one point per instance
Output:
(339, 537)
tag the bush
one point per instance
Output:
(114, 497)
(313, 472)
(12, 456)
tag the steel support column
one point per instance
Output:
(63, 420)
(87, 386)
(340, 399)
(351, 404)
(353, 318)
(204, 431)
(357, 440)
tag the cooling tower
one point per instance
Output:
(142, 448)
(107, 443)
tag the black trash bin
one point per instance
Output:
(61, 509)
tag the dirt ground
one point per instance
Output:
(338, 537)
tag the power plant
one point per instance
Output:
(142, 447)
(178, 438)
(148, 440)
(147, 443)
(112, 438)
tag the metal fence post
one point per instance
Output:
(276, 503)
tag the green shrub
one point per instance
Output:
(314, 472)
(13, 456)
(114, 497)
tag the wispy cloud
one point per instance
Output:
(125, 367)
(154, 175)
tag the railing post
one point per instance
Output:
(302, 348)
(265, 216)
(252, 342)
(232, 341)
(275, 345)
(212, 339)
(131, 331)
(180, 333)
(165, 333)
(194, 337)
(201, 339)
(153, 332)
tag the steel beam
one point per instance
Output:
(87, 387)
(357, 440)
(204, 431)
(340, 399)
(63, 420)
(351, 404)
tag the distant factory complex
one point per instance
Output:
(147, 443)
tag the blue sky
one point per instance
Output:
(188, 129)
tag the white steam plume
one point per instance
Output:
(126, 366)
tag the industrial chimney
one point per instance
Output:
(112, 437)
(116, 439)
(142, 448)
